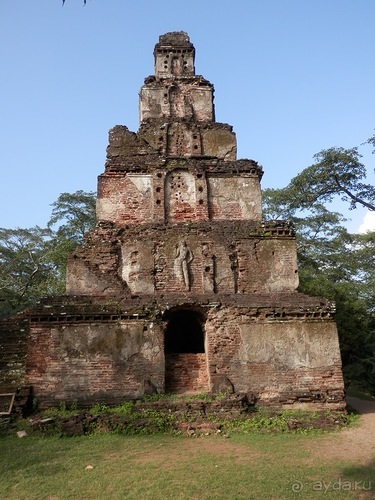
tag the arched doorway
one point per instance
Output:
(185, 356)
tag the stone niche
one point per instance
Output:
(181, 287)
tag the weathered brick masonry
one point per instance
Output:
(181, 287)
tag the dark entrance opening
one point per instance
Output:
(184, 333)
(185, 358)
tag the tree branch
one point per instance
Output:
(353, 197)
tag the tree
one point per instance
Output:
(336, 172)
(74, 214)
(26, 272)
(33, 261)
(371, 141)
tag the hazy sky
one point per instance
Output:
(292, 77)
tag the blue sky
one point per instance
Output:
(292, 77)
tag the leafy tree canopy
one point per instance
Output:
(74, 214)
(336, 172)
(26, 272)
(33, 261)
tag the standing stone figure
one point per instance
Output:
(183, 258)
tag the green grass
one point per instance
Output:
(261, 458)
(173, 467)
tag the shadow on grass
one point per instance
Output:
(361, 406)
(360, 477)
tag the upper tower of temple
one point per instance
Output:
(175, 92)
(174, 55)
(181, 164)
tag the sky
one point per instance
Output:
(292, 77)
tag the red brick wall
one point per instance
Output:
(177, 196)
(125, 199)
(186, 373)
(94, 361)
(281, 362)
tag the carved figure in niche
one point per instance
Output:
(233, 257)
(184, 257)
(209, 268)
(176, 67)
(134, 266)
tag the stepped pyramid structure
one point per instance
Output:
(181, 287)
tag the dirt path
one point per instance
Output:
(356, 443)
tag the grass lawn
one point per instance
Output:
(243, 466)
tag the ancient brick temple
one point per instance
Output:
(181, 287)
